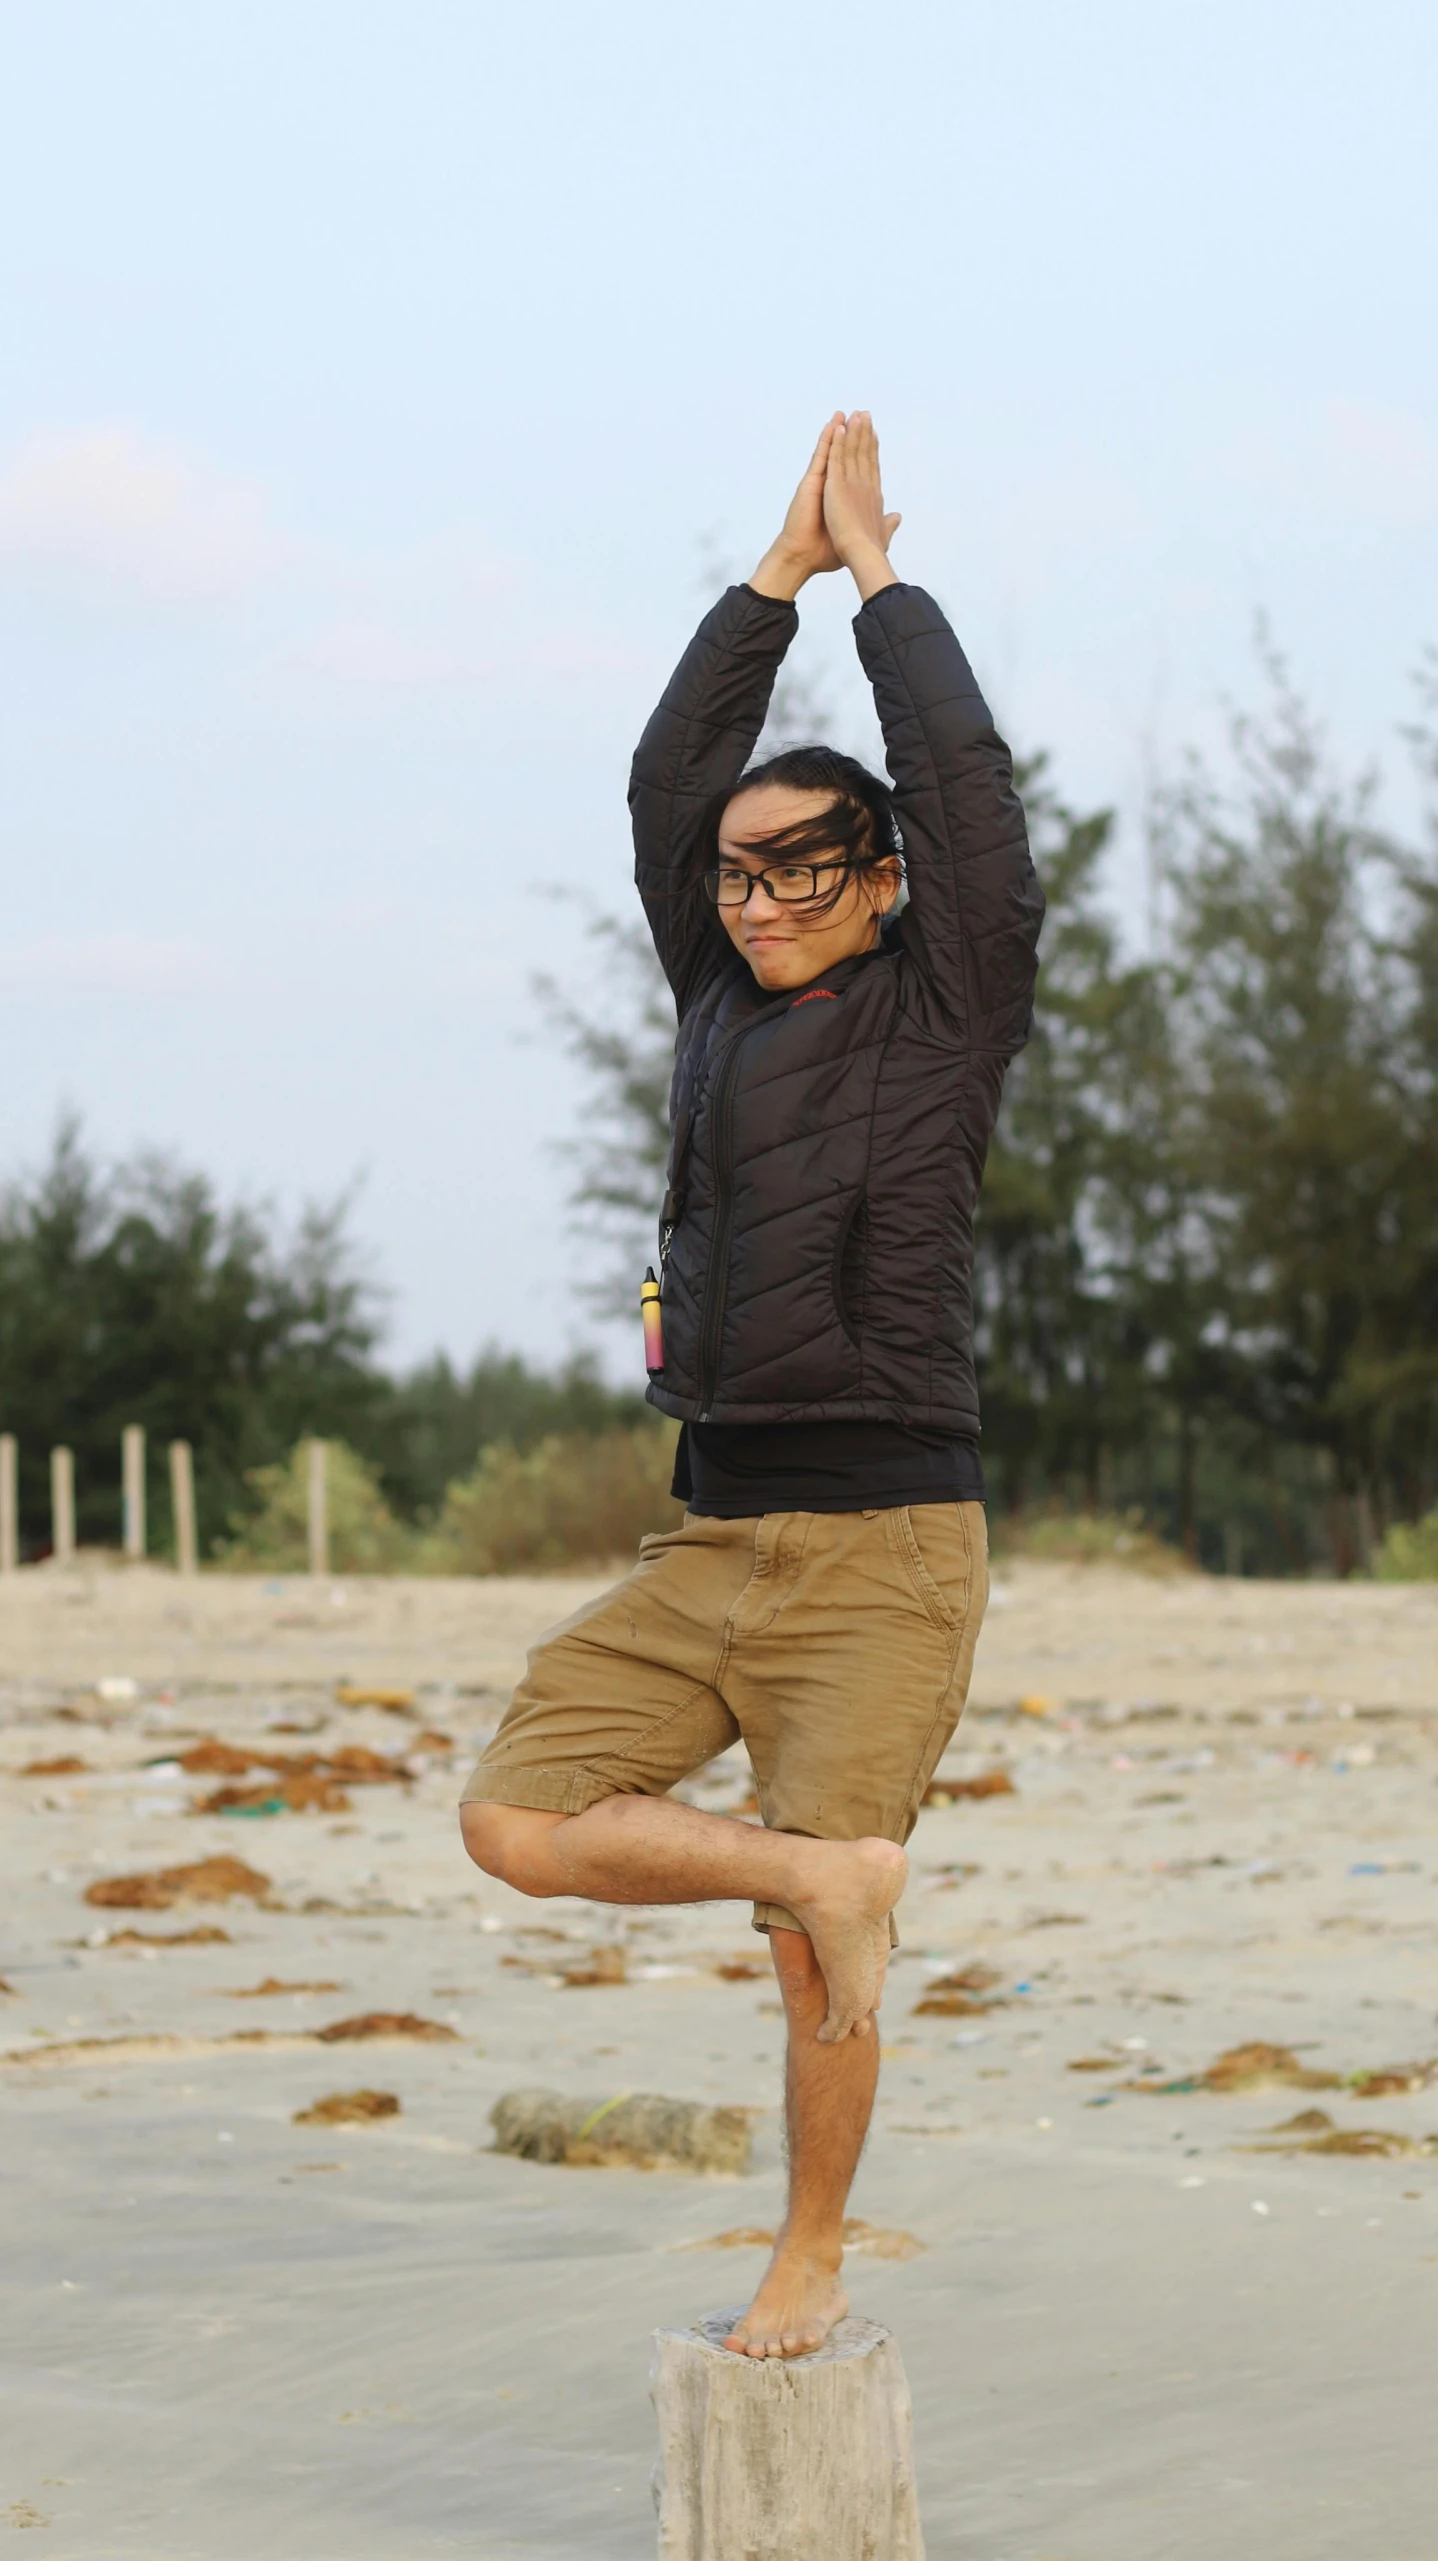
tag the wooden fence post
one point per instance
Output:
(62, 1506)
(182, 1504)
(776, 2459)
(9, 1504)
(318, 1515)
(132, 1480)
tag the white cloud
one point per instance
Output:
(108, 501)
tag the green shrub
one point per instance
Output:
(578, 1499)
(364, 1536)
(1409, 1553)
(1089, 1538)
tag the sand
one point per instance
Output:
(1131, 2336)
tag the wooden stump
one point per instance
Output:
(809, 2459)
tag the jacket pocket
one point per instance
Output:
(850, 1274)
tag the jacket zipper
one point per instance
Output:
(716, 1278)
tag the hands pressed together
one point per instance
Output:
(836, 516)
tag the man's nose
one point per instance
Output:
(760, 897)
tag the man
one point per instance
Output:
(838, 1071)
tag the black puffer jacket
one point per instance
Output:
(828, 1142)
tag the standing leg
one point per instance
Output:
(828, 2100)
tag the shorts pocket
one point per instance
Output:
(937, 1545)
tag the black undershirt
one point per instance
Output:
(730, 1471)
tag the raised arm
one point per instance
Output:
(975, 905)
(699, 740)
(706, 727)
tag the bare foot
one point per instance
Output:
(795, 2308)
(846, 1912)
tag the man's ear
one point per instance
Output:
(884, 881)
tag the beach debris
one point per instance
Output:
(117, 1689)
(879, 2241)
(8, 1988)
(212, 1880)
(1393, 2080)
(158, 2047)
(960, 1994)
(871, 2240)
(206, 1934)
(349, 2107)
(949, 1791)
(431, 1740)
(211, 1758)
(744, 1968)
(303, 1794)
(386, 2023)
(63, 1765)
(1037, 1706)
(379, 2026)
(1095, 2063)
(1242, 2068)
(596, 1965)
(1313, 2130)
(1264, 2067)
(636, 2129)
(394, 1702)
(271, 1987)
(297, 1782)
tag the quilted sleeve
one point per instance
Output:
(700, 739)
(972, 923)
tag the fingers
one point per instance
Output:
(842, 2023)
(819, 458)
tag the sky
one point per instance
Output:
(380, 384)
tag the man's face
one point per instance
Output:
(787, 943)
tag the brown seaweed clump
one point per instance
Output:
(213, 1880)
(1313, 2130)
(636, 2130)
(959, 1994)
(949, 1791)
(349, 2107)
(386, 2023)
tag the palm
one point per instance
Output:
(805, 532)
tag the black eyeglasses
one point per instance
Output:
(788, 884)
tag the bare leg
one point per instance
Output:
(649, 1849)
(829, 2098)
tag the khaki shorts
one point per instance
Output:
(838, 1645)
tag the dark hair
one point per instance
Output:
(858, 825)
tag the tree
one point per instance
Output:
(1064, 1331)
(1304, 994)
(129, 1295)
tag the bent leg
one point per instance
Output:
(651, 1849)
(828, 2101)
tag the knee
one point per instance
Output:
(510, 1842)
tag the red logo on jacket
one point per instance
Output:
(812, 995)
